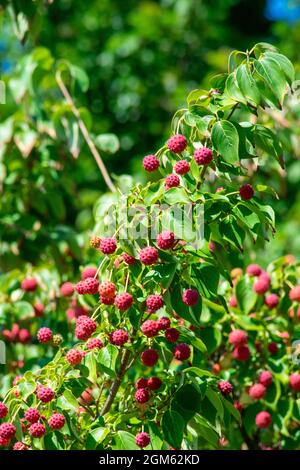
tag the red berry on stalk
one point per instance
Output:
(24, 336)
(262, 285)
(90, 271)
(237, 337)
(266, 378)
(254, 270)
(182, 352)
(67, 289)
(225, 387)
(294, 294)
(295, 382)
(263, 420)
(123, 301)
(32, 415)
(39, 309)
(149, 357)
(246, 192)
(142, 395)
(233, 301)
(44, 335)
(44, 394)
(164, 323)
(154, 302)
(89, 285)
(150, 163)
(150, 328)
(57, 421)
(273, 347)
(172, 335)
(190, 297)
(7, 430)
(74, 357)
(107, 289)
(177, 143)
(257, 391)
(182, 167)
(94, 343)
(165, 240)
(85, 327)
(20, 446)
(272, 300)
(149, 255)
(141, 383)
(108, 246)
(3, 410)
(37, 430)
(29, 284)
(203, 156)
(241, 353)
(142, 440)
(119, 337)
(172, 181)
(95, 242)
(128, 259)
(154, 383)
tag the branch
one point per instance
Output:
(85, 133)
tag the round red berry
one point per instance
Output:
(154, 302)
(90, 285)
(266, 378)
(142, 440)
(150, 163)
(149, 357)
(257, 391)
(246, 192)
(90, 271)
(273, 347)
(128, 259)
(190, 297)
(107, 300)
(150, 328)
(254, 270)
(182, 352)
(203, 156)
(20, 446)
(119, 337)
(233, 301)
(39, 309)
(262, 285)
(295, 382)
(45, 394)
(24, 336)
(149, 255)
(74, 357)
(7, 430)
(165, 240)
(29, 284)
(182, 167)
(172, 181)
(44, 335)
(85, 327)
(3, 410)
(263, 419)
(142, 395)
(154, 383)
(141, 383)
(57, 421)
(241, 353)
(172, 335)
(272, 300)
(177, 143)
(107, 289)
(294, 294)
(94, 343)
(237, 337)
(225, 387)
(164, 323)
(4, 442)
(37, 430)
(32, 415)
(123, 301)
(108, 246)
(67, 289)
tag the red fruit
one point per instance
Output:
(29, 284)
(128, 259)
(94, 343)
(24, 336)
(257, 391)
(17, 379)
(246, 192)
(142, 395)
(149, 255)
(67, 289)
(142, 440)
(4, 442)
(203, 156)
(262, 285)
(32, 415)
(45, 394)
(88, 272)
(119, 337)
(216, 368)
(44, 335)
(86, 396)
(89, 285)
(182, 352)
(57, 421)
(241, 353)
(95, 242)
(150, 163)
(150, 328)
(141, 383)
(295, 382)
(294, 294)
(172, 181)
(165, 240)
(225, 387)
(237, 337)
(7, 430)
(3, 410)
(190, 297)
(272, 300)
(182, 167)
(154, 383)
(39, 309)
(107, 300)
(20, 446)
(211, 246)
(107, 289)
(74, 357)
(85, 327)
(123, 301)
(233, 301)
(266, 378)
(154, 302)
(149, 357)
(172, 335)
(164, 323)
(37, 430)
(108, 246)
(263, 419)
(177, 143)
(238, 406)
(273, 347)
(254, 270)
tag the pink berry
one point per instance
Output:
(182, 167)
(94, 343)
(24, 336)
(165, 240)
(190, 297)
(20, 446)
(294, 294)
(263, 419)
(29, 284)
(149, 357)
(123, 301)
(57, 421)
(150, 328)
(108, 246)
(257, 391)
(44, 335)
(67, 289)
(4, 442)
(272, 300)
(74, 357)
(107, 289)
(3, 410)
(154, 302)
(177, 143)
(225, 387)
(203, 156)
(172, 181)
(237, 337)
(89, 272)
(45, 394)
(142, 440)
(32, 415)
(164, 323)
(262, 285)
(107, 300)
(142, 395)
(150, 163)
(172, 335)
(7, 430)
(254, 270)
(233, 302)
(295, 382)
(85, 327)
(241, 353)
(149, 255)
(37, 430)
(119, 337)
(266, 378)
(128, 259)
(154, 383)
(141, 383)
(182, 352)
(89, 285)
(39, 309)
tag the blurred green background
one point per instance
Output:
(142, 58)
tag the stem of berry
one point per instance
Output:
(85, 133)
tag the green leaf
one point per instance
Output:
(95, 437)
(271, 73)
(245, 295)
(204, 429)
(284, 63)
(125, 441)
(216, 402)
(225, 140)
(247, 84)
(107, 359)
(67, 401)
(212, 338)
(232, 410)
(173, 426)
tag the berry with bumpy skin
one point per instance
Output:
(246, 192)
(141, 383)
(107, 300)
(24, 336)
(95, 242)
(263, 420)
(172, 181)
(37, 430)
(3, 410)
(29, 284)
(177, 143)
(254, 270)
(294, 382)
(57, 340)
(4, 442)
(203, 156)
(108, 246)
(190, 297)
(118, 337)
(241, 353)
(233, 301)
(94, 343)
(90, 271)
(142, 440)
(149, 357)
(238, 406)
(262, 285)
(272, 300)
(273, 347)
(257, 391)
(149, 255)
(32, 415)
(172, 335)
(294, 294)
(182, 167)
(123, 301)
(7, 430)
(128, 259)
(142, 395)
(150, 328)
(165, 240)
(237, 337)
(265, 378)
(164, 323)
(90, 285)
(44, 335)
(39, 309)
(85, 327)
(57, 421)
(107, 289)
(150, 163)
(182, 352)
(45, 394)
(67, 289)
(154, 383)
(225, 387)
(74, 357)
(154, 302)
(20, 446)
